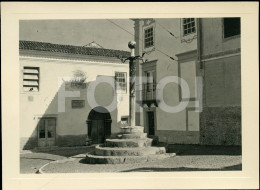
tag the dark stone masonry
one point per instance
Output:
(220, 126)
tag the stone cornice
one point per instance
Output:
(220, 54)
(186, 55)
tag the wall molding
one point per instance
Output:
(68, 61)
(222, 54)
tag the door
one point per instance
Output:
(98, 132)
(150, 118)
(46, 132)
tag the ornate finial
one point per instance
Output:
(132, 44)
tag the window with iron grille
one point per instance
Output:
(120, 78)
(148, 37)
(231, 27)
(188, 26)
(31, 79)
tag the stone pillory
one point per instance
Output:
(41, 46)
(130, 146)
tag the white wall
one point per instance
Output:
(45, 102)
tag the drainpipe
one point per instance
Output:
(202, 99)
(199, 44)
(200, 62)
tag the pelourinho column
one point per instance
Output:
(132, 77)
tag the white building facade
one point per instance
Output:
(69, 94)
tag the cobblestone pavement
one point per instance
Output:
(178, 163)
(189, 158)
(31, 161)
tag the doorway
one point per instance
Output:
(99, 125)
(151, 123)
(46, 132)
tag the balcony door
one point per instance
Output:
(150, 85)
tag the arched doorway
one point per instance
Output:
(99, 125)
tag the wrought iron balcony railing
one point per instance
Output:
(149, 92)
(148, 95)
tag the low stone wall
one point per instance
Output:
(71, 140)
(178, 137)
(220, 126)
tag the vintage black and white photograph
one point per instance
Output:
(128, 95)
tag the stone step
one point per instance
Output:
(130, 129)
(95, 159)
(136, 151)
(145, 142)
(134, 135)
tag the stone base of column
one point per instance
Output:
(130, 146)
(135, 129)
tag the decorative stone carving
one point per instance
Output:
(189, 40)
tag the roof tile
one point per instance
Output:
(42, 46)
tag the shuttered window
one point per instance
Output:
(31, 78)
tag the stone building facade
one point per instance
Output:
(220, 63)
(205, 53)
(170, 47)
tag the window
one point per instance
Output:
(148, 37)
(120, 78)
(31, 79)
(231, 27)
(188, 26)
(124, 120)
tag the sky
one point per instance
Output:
(79, 32)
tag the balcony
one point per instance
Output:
(148, 95)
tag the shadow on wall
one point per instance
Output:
(52, 125)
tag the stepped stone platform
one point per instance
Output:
(130, 146)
